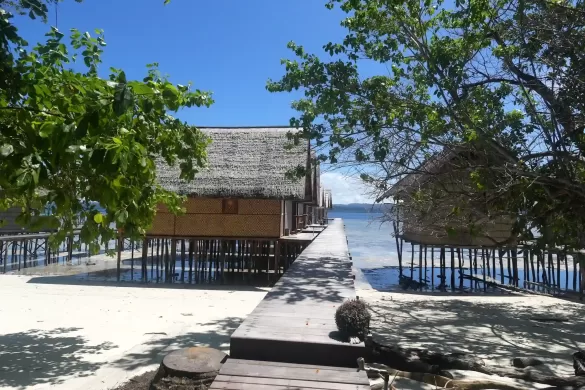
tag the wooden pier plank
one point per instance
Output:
(295, 321)
(247, 374)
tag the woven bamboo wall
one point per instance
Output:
(497, 231)
(204, 218)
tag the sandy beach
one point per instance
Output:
(94, 337)
(495, 328)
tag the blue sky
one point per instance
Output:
(228, 47)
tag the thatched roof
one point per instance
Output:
(243, 162)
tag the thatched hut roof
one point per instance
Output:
(243, 162)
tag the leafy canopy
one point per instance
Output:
(69, 137)
(497, 85)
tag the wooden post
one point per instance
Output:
(191, 250)
(420, 263)
(411, 260)
(432, 267)
(574, 272)
(501, 258)
(487, 255)
(173, 260)
(494, 263)
(514, 253)
(132, 260)
(183, 261)
(144, 258)
(426, 277)
(475, 264)
(452, 269)
(158, 247)
(398, 247)
(566, 258)
(460, 268)
(581, 275)
(559, 271)
(15, 249)
(484, 268)
(526, 267)
(277, 257)
(120, 245)
(531, 260)
(249, 257)
(25, 255)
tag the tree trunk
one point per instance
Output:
(424, 361)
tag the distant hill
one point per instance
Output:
(361, 208)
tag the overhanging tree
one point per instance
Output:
(68, 137)
(502, 80)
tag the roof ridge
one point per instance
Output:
(247, 127)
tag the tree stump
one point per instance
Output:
(199, 364)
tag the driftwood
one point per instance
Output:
(421, 360)
(438, 380)
(416, 360)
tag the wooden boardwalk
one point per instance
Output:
(295, 323)
(238, 374)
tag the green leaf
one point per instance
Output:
(117, 141)
(6, 150)
(123, 99)
(122, 77)
(140, 88)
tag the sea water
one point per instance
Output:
(375, 258)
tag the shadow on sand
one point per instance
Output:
(216, 336)
(74, 280)
(38, 357)
(495, 328)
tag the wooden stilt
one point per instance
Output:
(191, 252)
(574, 272)
(420, 260)
(411, 260)
(119, 262)
(277, 257)
(398, 248)
(452, 269)
(484, 268)
(15, 251)
(144, 265)
(173, 260)
(460, 268)
(426, 269)
(531, 259)
(559, 256)
(183, 261)
(132, 260)
(432, 267)
(158, 252)
(515, 277)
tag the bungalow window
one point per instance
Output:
(230, 206)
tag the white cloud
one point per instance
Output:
(345, 189)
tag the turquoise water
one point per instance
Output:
(371, 243)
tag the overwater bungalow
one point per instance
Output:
(447, 175)
(246, 191)
(245, 205)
